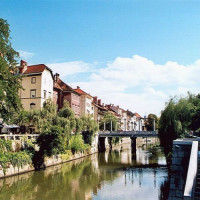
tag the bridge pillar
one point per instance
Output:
(101, 144)
(154, 125)
(110, 142)
(133, 144)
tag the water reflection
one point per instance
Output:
(119, 174)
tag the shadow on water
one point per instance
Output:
(128, 175)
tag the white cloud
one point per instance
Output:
(136, 83)
(25, 54)
(69, 68)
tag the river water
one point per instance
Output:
(113, 175)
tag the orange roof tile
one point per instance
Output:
(137, 115)
(35, 69)
(78, 90)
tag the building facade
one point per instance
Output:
(87, 107)
(63, 92)
(37, 84)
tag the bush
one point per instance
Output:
(76, 144)
(52, 141)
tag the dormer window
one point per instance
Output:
(33, 93)
(33, 80)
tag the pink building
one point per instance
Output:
(63, 92)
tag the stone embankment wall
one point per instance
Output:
(54, 160)
(179, 168)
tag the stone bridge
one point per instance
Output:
(106, 135)
(131, 134)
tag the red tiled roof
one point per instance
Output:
(59, 84)
(56, 85)
(78, 90)
(35, 69)
(137, 115)
(64, 86)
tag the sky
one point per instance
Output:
(133, 53)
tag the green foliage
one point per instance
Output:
(19, 159)
(5, 145)
(107, 120)
(179, 117)
(150, 120)
(79, 125)
(66, 112)
(76, 143)
(52, 142)
(9, 83)
(90, 127)
(3, 161)
(28, 145)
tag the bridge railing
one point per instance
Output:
(18, 136)
(127, 132)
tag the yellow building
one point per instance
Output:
(37, 84)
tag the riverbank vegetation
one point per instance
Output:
(17, 159)
(179, 119)
(59, 133)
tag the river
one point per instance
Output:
(113, 175)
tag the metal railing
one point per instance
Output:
(18, 136)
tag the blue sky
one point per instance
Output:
(88, 36)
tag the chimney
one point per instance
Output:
(95, 99)
(23, 66)
(99, 101)
(56, 77)
(78, 87)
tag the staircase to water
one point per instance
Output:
(197, 187)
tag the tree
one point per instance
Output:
(9, 81)
(150, 122)
(176, 120)
(108, 117)
(51, 142)
(89, 127)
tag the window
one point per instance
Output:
(45, 94)
(33, 80)
(33, 93)
(87, 104)
(32, 106)
(50, 94)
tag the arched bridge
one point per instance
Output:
(132, 134)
